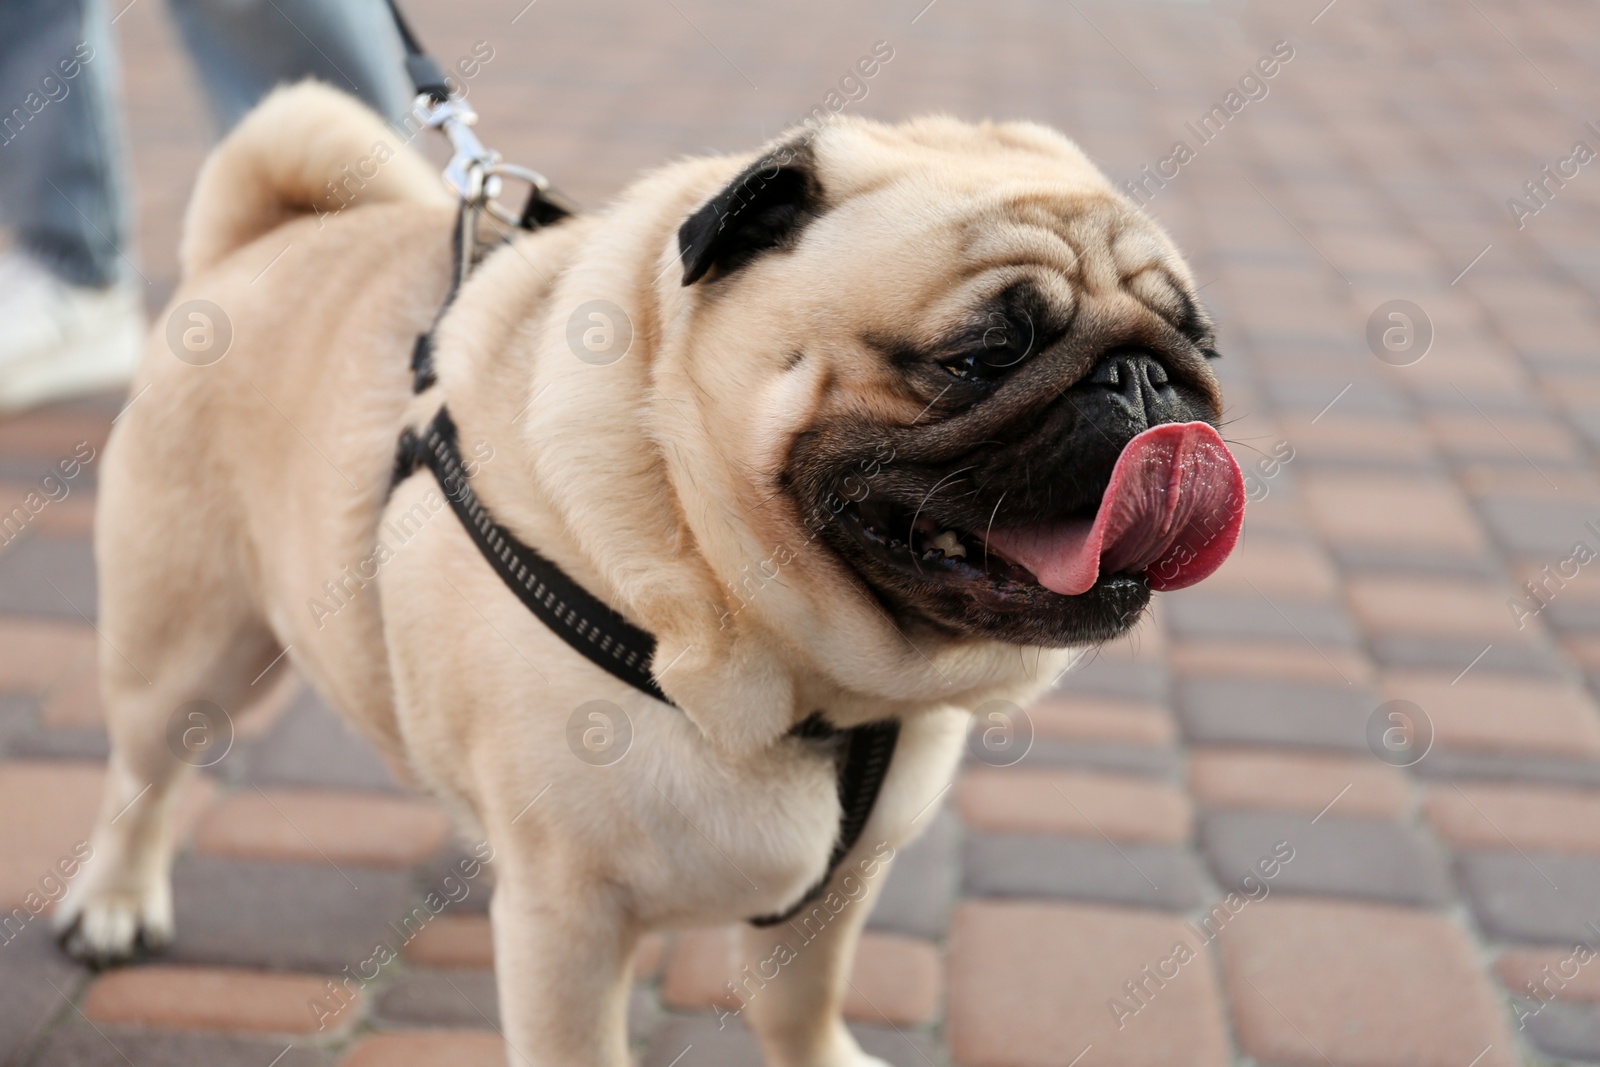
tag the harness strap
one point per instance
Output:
(582, 620)
(579, 618)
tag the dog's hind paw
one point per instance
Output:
(113, 928)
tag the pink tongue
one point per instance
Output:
(1173, 511)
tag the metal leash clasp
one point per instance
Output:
(475, 173)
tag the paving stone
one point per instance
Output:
(1534, 818)
(19, 716)
(50, 576)
(1296, 780)
(1042, 867)
(78, 1044)
(165, 997)
(341, 826)
(1111, 678)
(285, 916)
(74, 703)
(1545, 974)
(36, 653)
(51, 807)
(1454, 654)
(1390, 987)
(921, 890)
(1372, 508)
(312, 746)
(895, 980)
(697, 1041)
(1290, 661)
(428, 1048)
(1380, 558)
(1145, 760)
(1253, 617)
(1565, 1031)
(1279, 567)
(1537, 524)
(1034, 984)
(1454, 608)
(1239, 711)
(457, 998)
(35, 975)
(1369, 859)
(445, 873)
(1060, 717)
(1446, 766)
(1551, 718)
(1079, 804)
(81, 746)
(453, 941)
(1532, 896)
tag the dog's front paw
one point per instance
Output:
(107, 928)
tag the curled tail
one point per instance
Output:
(304, 149)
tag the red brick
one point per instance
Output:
(1070, 717)
(1032, 985)
(1394, 604)
(1314, 982)
(1276, 565)
(1362, 438)
(1530, 817)
(429, 1048)
(50, 806)
(894, 979)
(313, 825)
(1288, 780)
(208, 998)
(36, 654)
(1526, 437)
(53, 435)
(1488, 713)
(1389, 511)
(1077, 804)
(1557, 973)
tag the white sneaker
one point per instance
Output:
(59, 340)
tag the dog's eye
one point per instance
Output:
(1002, 348)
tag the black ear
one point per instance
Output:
(763, 208)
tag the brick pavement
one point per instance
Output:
(1201, 859)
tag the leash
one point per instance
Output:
(590, 626)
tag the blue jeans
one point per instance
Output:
(62, 159)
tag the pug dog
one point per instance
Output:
(890, 421)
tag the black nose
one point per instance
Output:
(1138, 383)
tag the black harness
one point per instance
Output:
(593, 628)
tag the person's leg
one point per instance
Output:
(243, 48)
(61, 155)
(71, 312)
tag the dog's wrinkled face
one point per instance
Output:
(963, 330)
